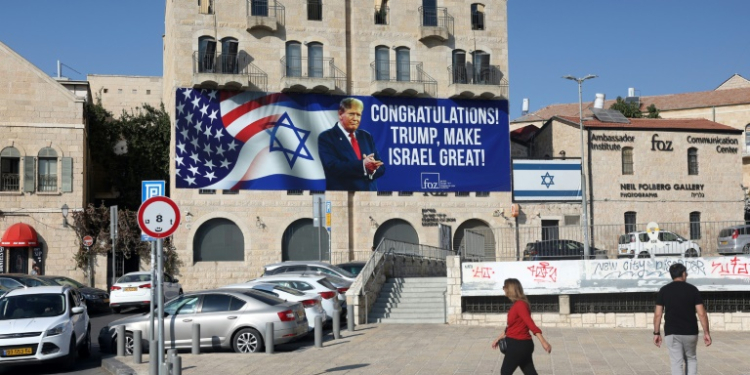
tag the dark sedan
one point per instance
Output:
(554, 250)
(96, 299)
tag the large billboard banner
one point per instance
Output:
(273, 141)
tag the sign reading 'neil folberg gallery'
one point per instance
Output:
(652, 190)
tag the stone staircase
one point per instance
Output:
(410, 300)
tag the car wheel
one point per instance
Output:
(247, 340)
(70, 359)
(86, 344)
(129, 342)
(691, 253)
(644, 254)
(746, 249)
(116, 310)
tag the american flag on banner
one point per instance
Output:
(248, 140)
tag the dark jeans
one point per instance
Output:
(517, 355)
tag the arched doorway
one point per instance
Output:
(303, 241)
(397, 230)
(219, 240)
(483, 234)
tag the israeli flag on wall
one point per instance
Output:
(547, 180)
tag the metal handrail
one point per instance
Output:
(47, 183)
(239, 63)
(10, 181)
(304, 67)
(468, 74)
(263, 8)
(435, 17)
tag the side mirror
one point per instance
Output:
(77, 310)
(175, 280)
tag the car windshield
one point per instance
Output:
(29, 306)
(134, 278)
(64, 281)
(354, 269)
(33, 281)
(342, 271)
(265, 298)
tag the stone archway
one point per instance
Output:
(480, 228)
(397, 230)
(303, 241)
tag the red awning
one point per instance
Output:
(19, 235)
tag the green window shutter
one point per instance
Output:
(29, 166)
(67, 175)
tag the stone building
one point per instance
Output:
(335, 47)
(125, 93)
(43, 159)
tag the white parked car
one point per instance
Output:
(308, 284)
(310, 301)
(134, 290)
(635, 245)
(43, 323)
(309, 267)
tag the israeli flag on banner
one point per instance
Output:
(547, 180)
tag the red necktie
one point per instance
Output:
(355, 146)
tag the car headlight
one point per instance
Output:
(57, 330)
(90, 296)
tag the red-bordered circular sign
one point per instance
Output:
(159, 217)
(88, 241)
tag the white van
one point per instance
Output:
(631, 245)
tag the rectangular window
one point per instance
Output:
(482, 194)
(315, 10)
(477, 17)
(572, 220)
(630, 222)
(148, 92)
(385, 193)
(10, 176)
(313, 192)
(462, 193)
(135, 91)
(405, 193)
(381, 15)
(106, 91)
(206, 6)
(294, 192)
(693, 161)
(627, 160)
(207, 191)
(695, 225)
(550, 230)
(47, 178)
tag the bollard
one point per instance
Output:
(137, 347)
(173, 360)
(120, 340)
(337, 322)
(350, 319)
(269, 338)
(153, 361)
(171, 353)
(165, 368)
(177, 365)
(196, 338)
(318, 331)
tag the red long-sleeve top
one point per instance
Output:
(520, 322)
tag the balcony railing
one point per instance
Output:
(266, 8)
(218, 63)
(305, 67)
(435, 17)
(47, 183)
(381, 15)
(9, 181)
(468, 74)
(403, 71)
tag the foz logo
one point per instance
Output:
(431, 181)
(660, 145)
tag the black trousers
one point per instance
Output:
(517, 355)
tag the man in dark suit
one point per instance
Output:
(349, 157)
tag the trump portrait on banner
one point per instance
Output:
(348, 154)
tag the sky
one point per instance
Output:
(657, 47)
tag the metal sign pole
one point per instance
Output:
(113, 234)
(320, 228)
(151, 300)
(160, 303)
(91, 266)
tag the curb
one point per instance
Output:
(115, 367)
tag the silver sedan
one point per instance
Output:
(229, 319)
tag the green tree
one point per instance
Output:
(628, 110)
(653, 112)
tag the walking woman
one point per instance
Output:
(520, 344)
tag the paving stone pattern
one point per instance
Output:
(442, 349)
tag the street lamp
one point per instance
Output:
(64, 210)
(583, 175)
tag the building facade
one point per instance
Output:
(43, 156)
(414, 48)
(120, 94)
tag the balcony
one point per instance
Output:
(9, 181)
(435, 23)
(464, 81)
(231, 71)
(401, 78)
(311, 75)
(47, 183)
(264, 15)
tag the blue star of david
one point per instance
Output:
(291, 155)
(548, 183)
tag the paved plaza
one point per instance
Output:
(443, 349)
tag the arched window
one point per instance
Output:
(47, 176)
(397, 230)
(315, 59)
(692, 156)
(403, 64)
(229, 49)
(218, 240)
(481, 61)
(477, 16)
(459, 70)
(630, 222)
(627, 160)
(382, 64)
(10, 169)
(303, 241)
(695, 225)
(293, 59)
(206, 54)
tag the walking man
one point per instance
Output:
(681, 301)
